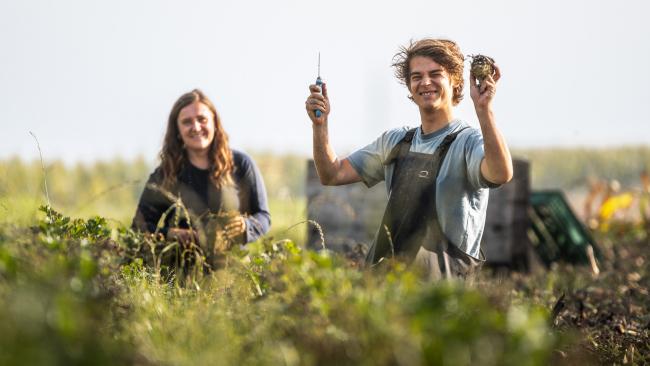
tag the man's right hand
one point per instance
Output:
(331, 170)
(318, 102)
(184, 236)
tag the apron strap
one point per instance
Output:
(410, 214)
(402, 147)
(441, 151)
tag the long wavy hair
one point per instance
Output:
(174, 155)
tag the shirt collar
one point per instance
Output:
(443, 131)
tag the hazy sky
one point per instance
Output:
(97, 79)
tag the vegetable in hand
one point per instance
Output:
(481, 67)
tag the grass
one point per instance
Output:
(75, 292)
(87, 300)
(93, 298)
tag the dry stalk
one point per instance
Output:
(191, 250)
(327, 197)
(43, 169)
(390, 240)
(255, 281)
(592, 259)
(115, 186)
(163, 218)
(153, 253)
(557, 309)
(629, 354)
(178, 202)
(225, 281)
(320, 229)
(259, 227)
(4, 207)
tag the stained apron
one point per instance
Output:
(410, 228)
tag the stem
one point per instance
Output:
(390, 240)
(320, 229)
(43, 169)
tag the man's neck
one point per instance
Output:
(199, 158)
(433, 120)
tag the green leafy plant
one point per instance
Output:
(55, 225)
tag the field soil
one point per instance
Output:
(606, 313)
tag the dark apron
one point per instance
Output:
(410, 228)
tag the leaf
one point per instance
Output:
(614, 204)
(291, 246)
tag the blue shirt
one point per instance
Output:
(461, 190)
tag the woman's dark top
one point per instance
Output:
(201, 197)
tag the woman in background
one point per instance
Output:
(213, 181)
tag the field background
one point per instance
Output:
(112, 188)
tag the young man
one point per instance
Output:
(437, 175)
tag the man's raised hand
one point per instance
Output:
(317, 102)
(482, 94)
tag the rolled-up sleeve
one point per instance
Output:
(474, 155)
(368, 161)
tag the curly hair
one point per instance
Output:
(174, 156)
(444, 52)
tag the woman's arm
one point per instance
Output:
(252, 195)
(259, 222)
(257, 225)
(150, 209)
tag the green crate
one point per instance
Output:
(555, 232)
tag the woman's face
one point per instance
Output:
(196, 124)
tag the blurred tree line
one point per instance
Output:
(570, 168)
(112, 188)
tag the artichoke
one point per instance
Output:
(481, 67)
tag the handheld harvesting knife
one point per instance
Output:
(319, 82)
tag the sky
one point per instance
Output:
(95, 80)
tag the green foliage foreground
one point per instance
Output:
(72, 292)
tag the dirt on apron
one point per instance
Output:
(410, 228)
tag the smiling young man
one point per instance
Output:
(437, 175)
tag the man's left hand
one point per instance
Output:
(482, 94)
(236, 226)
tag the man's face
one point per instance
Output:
(431, 86)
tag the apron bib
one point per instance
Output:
(414, 232)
